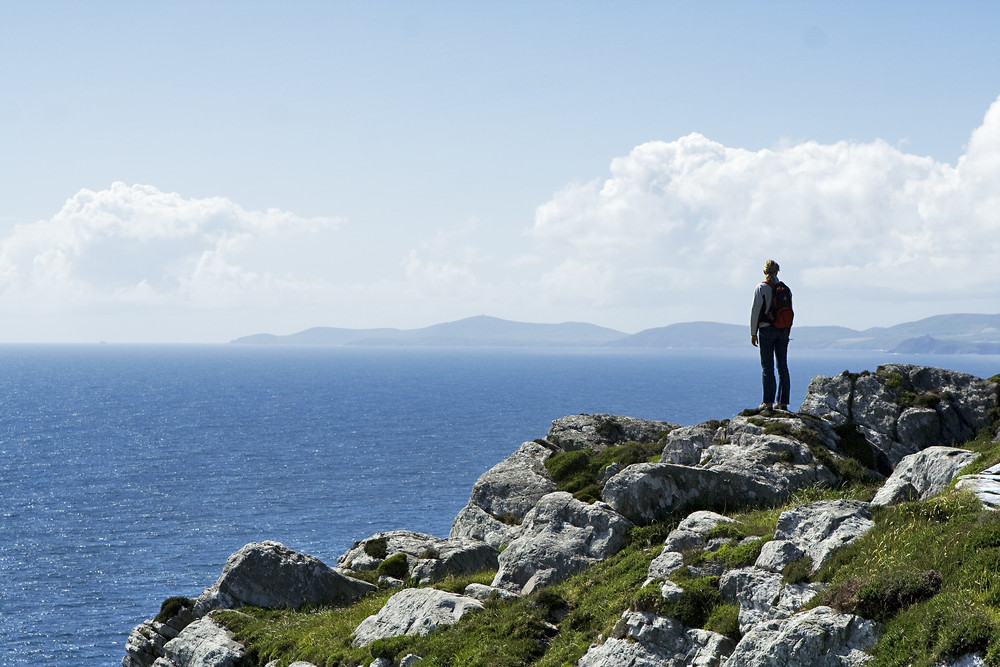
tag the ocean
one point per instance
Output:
(129, 474)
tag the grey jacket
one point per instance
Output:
(761, 302)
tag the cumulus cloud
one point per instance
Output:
(137, 245)
(684, 225)
(866, 234)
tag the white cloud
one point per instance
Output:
(866, 234)
(684, 226)
(136, 245)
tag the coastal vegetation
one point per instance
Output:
(928, 572)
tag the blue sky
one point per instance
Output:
(194, 172)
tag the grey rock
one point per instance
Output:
(922, 475)
(428, 558)
(414, 611)
(598, 432)
(775, 555)
(203, 643)
(819, 637)
(560, 536)
(686, 445)
(269, 574)
(504, 494)
(951, 407)
(484, 592)
(409, 660)
(647, 492)
(646, 640)
(665, 564)
(762, 596)
(985, 484)
(821, 528)
(692, 532)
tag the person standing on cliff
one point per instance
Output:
(772, 342)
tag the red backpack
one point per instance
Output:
(780, 314)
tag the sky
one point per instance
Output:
(193, 172)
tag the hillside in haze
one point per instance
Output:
(941, 334)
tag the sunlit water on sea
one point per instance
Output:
(129, 474)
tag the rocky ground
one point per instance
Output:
(904, 424)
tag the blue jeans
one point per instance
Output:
(774, 347)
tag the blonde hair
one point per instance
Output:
(771, 267)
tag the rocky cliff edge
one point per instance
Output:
(902, 424)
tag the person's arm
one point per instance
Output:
(759, 301)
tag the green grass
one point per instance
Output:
(578, 471)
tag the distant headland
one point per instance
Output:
(940, 334)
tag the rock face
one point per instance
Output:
(414, 611)
(746, 461)
(269, 574)
(816, 530)
(263, 574)
(922, 475)
(428, 558)
(598, 432)
(646, 640)
(560, 536)
(204, 644)
(819, 637)
(902, 409)
(504, 494)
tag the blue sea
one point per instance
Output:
(128, 474)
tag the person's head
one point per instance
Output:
(771, 268)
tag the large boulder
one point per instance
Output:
(645, 640)
(560, 536)
(504, 494)
(269, 574)
(815, 530)
(686, 445)
(414, 611)
(598, 432)
(746, 461)
(428, 558)
(922, 475)
(648, 492)
(763, 596)
(819, 637)
(902, 409)
(204, 643)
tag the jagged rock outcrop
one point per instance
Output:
(902, 409)
(560, 536)
(203, 643)
(922, 475)
(763, 596)
(819, 637)
(816, 530)
(642, 639)
(598, 432)
(427, 558)
(504, 494)
(746, 461)
(985, 484)
(414, 611)
(262, 574)
(269, 574)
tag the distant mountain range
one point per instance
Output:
(941, 334)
